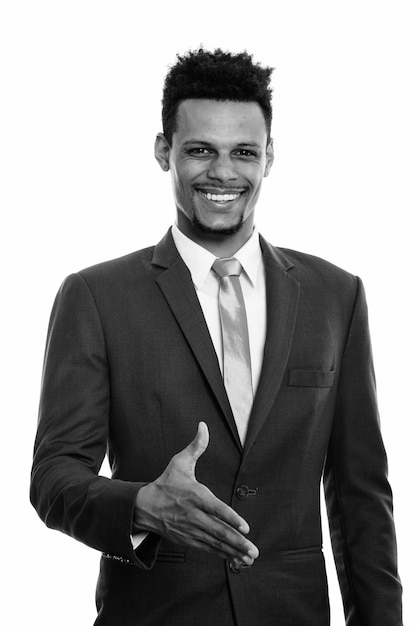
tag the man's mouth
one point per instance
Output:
(219, 198)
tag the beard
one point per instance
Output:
(216, 232)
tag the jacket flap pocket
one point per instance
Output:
(311, 378)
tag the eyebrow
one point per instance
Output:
(191, 141)
(243, 144)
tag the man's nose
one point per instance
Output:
(222, 168)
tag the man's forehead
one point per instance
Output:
(206, 118)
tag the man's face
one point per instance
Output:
(218, 158)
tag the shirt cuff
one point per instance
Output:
(138, 538)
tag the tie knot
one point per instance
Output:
(227, 267)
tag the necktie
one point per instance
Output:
(236, 349)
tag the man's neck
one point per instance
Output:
(220, 245)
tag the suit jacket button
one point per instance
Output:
(242, 492)
(235, 569)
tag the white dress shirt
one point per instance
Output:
(253, 283)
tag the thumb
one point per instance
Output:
(196, 448)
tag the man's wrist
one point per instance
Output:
(139, 525)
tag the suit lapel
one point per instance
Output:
(177, 287)
(282, 307)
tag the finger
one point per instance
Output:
(200, 442)
(198, 544)
(222, 537)
(199, 539)
(232, 541)
(196, 448)
(215, 506)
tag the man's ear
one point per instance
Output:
(162, 151)
(269, 157)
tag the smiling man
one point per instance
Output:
(215, 331)
(220, 152)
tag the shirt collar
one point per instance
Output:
(199, 260)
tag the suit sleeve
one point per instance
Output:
(72, 434)
(358, 495)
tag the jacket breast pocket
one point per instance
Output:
(310, 378)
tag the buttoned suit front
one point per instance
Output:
(130, 370)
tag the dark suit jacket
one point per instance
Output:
(130, 370)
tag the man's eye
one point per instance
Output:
(246, 153)
(199, 151)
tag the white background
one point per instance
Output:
(80, 106)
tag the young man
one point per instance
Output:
(267, 350)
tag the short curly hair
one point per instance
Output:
(215, 75)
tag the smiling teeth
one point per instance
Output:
(226, 197)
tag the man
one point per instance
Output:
(267, 350)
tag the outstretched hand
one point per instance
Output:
(178, 507)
